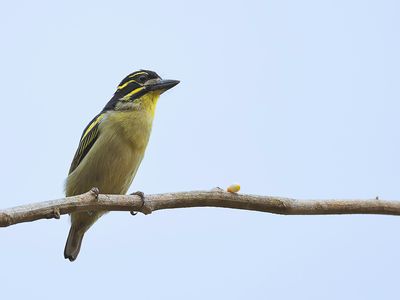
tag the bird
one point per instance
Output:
(112, 147)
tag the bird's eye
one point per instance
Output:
(142, 78)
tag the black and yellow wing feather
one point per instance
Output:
(88, 138)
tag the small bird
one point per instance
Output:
(112, 147)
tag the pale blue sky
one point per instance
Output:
(288, 98)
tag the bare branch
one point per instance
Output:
(92, 201)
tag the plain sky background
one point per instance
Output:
(287, 98)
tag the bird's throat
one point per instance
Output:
(149, 101)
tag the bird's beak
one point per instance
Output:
(161, 85)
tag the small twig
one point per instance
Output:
(213, 198)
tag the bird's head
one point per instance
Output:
(139, 90)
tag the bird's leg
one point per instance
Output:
(141, 195)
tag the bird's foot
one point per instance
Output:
(141, 195)
(95, 192)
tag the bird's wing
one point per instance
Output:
(88, 138)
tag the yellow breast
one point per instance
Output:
(112, 162)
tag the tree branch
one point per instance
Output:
(92, 201)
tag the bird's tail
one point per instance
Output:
(74, 241)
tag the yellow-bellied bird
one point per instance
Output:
(112, 146)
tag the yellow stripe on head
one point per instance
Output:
(94, 123)
(125, 84)
(137, 73)
(135, 91)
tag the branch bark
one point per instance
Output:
(92, 201)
